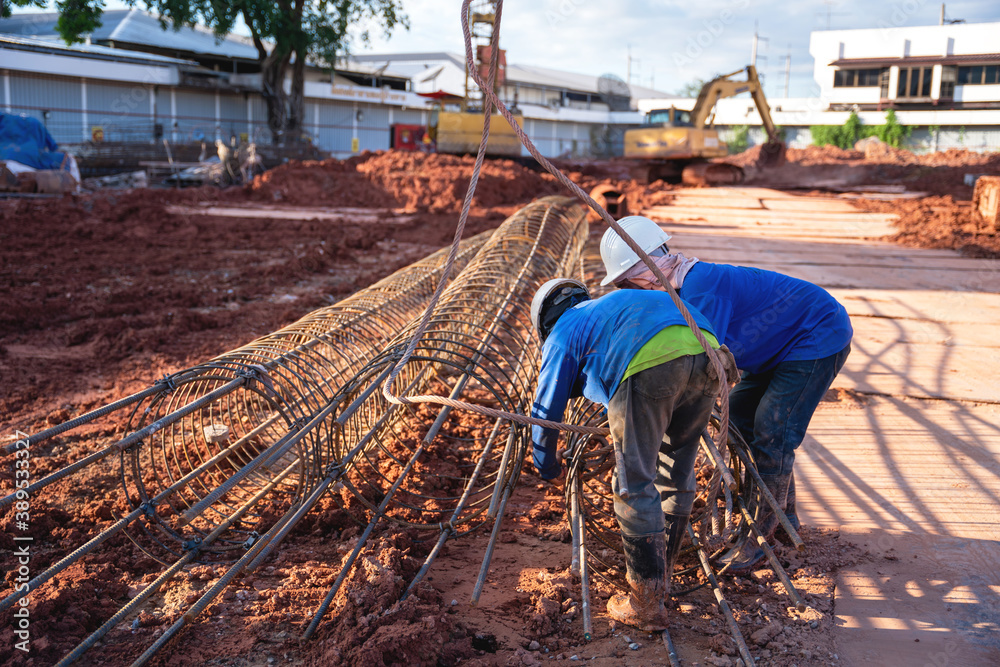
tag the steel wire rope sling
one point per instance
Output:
(490, 100)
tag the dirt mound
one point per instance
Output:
(325, 182)
(438, 183)
(881, 154)
(822, 155)
(810, 155)
(399, 179)
(938, 222)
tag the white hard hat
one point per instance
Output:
(544, 292)
(618, 257)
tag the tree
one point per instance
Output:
(286, 33)
(693, 87)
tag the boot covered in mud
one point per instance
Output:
(642, 607)
(745, 556)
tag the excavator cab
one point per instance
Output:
(672, 117)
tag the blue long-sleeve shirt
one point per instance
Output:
(25, 140)
(765, 317)
(587, 352)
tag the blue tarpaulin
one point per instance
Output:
(25, 140)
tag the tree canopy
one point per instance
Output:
(691, 88)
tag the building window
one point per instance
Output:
(975, 75)
(914, 82)
(948, 75)
(856, 78)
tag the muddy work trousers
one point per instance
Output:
(772, 409)
(657, 416)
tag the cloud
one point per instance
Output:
(670, 42)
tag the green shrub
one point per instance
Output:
(845, 136)
(739, 140)
(893, 132)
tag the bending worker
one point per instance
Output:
(789, 337)
(632, 352)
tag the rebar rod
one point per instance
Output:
(727, 612)
(708, 445)
(58, 429)
(743, 454)
(199, 605)
(484, 567)
(668, 644)
(800, 604)
(164, 577)
(581, 556)
(446, 529)
(112, 530)
(125, 442)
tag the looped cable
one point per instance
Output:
(490, 100)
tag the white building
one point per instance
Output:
(941, 67)
(942, 80)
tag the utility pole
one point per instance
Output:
(756, 40)
(753, 52)
(788, 69)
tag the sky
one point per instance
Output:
(671, 42)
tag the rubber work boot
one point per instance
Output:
(744, 556)
(793, 517)
(676, 525)
(645, 570)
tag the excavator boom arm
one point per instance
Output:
(722, 87)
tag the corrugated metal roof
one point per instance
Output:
(89, 51)
(412, 63)
(132, 26)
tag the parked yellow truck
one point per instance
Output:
(460, 132)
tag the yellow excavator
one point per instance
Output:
(676, 145)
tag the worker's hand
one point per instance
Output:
(728, 363)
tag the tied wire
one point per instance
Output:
(491, 100)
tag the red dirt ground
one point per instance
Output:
(939, 173)
(108, 292)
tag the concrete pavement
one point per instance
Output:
(910, 469)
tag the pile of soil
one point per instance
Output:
(941, 173)
(411, 181)
(820, 155)
(938, 222)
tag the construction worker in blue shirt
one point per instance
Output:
(633, 353)
(789, 337)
